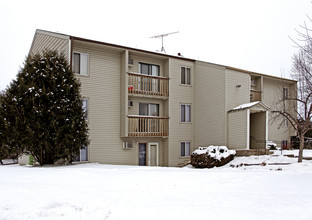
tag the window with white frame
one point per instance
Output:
(185, 75)
(148, 109)
(80, 63)
(285, 122)
(285, 93)
(83, 155)
(85, 107)
(127, 145)
(185, 113)
(185, 148)
(149, 69)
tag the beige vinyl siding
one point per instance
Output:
(166, 102)
(212, 93)
(134, 151)
(165, 154)
(237, 129)
(237, 96)
(179, 94)
(257, 130)
(51, 41)
(102, 87)
(124, 95)
(139, 58)
(210, 115)
(136, 99)
(134, 110)
(272, 93)
(293, 104)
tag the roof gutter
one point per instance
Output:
(129, 48)
(259, 74)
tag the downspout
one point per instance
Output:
(70, 45)
(266, 127)
(248, 130)
(226, 114)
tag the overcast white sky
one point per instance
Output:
(247, 34)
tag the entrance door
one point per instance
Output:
(142, 154)
(258, 130)
(153, 154)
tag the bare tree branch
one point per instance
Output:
(298, 109)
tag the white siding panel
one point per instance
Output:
(103, 88)
(45, 41)
(138, 58)
(237, 95)
(237, 130)
(179, 94)
(210, 114)
(272, 93)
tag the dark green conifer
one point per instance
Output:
(45, 109)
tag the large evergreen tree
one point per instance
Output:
(43, 110)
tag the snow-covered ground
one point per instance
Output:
(95, 191)
(306, 153)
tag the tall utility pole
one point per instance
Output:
(162, 39)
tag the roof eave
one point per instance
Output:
(129, 48)
(260, 74)
(249, 107)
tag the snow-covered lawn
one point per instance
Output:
(95, 191)
(306, 153)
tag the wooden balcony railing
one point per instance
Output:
(147, 126)
(148, 85)
(255, 95)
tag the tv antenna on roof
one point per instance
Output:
(162, 39)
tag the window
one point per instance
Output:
(146, 83)
(185, 113)
(149, 69)
(80, 63)
(127, 145)
(253, 82)
(148, 124)
(85, 108)
(285, 93)
(185, 149)
(185, 75)
(148, 109)
(285, 122)
(83, 155)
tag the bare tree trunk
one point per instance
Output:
(301, 148)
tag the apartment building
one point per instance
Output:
(154, 109)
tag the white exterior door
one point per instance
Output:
(153, 154)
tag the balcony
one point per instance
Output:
(147, 126)
(148, 85)
(255, 95)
